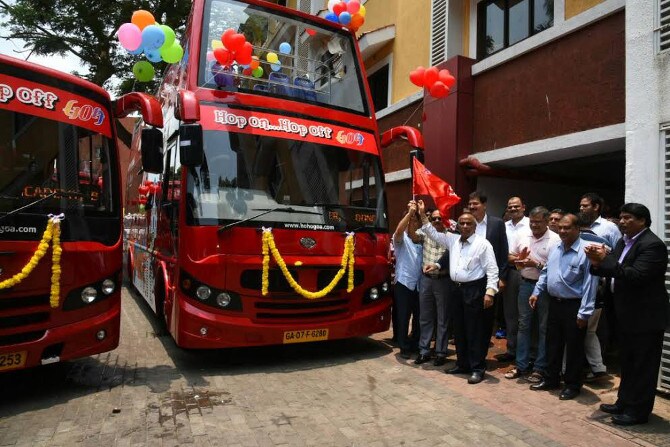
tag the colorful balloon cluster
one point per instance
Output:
(349, 13)
(232, 49)
(158, 43)
(438, 82)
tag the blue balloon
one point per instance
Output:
(139, 51)
(153, 37)
(153, 55)
(285, 48)
(345, 18)
(332, 17)
(275, 67)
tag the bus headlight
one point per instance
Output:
(108, 287)
(223, 299)
(88, 295)
(374, 294)
(203, 292)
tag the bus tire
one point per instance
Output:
(159, 294)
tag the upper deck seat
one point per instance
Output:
(306, 90)
(280, 84)
(260, 88)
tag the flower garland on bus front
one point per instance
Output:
(347, 263)
(51, 234)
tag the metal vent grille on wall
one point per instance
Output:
(664, 374)
(664, 25)
(438, 31)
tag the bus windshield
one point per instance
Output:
(320, 67)
(54, 167)
(287, 181)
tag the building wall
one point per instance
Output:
(647, 108)
(575, 7)
(412, 40)
(573, 84)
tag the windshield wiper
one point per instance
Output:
(27, 206)
(282, 209)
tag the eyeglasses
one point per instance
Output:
(436, 219)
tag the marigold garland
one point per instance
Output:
(51, 234)
(346, 263)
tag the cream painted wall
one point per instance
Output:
(411, 45)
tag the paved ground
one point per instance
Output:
(347, 393)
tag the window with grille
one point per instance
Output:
(664, 24)
(438, 32)
(664, 374)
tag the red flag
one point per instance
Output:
(425, 182)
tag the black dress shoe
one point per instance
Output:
(457, 370)
(440, 360)
(544, 386)
(611, 409)
(476, 377)
(422, 358)
(625, 419)
(569, 393)
(405, 353)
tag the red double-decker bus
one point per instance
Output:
(60, 214)
(243, 235)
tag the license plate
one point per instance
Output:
(12, 360)
(305, 335)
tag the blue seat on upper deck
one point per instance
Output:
(306, 89)
(280, 84)
(260, 88)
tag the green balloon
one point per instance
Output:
(173, 54)
(169, 36)
(143, 71)
(257, 72)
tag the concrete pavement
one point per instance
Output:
(344, 393)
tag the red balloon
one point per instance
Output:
(417, 76)
(439, 90)
(430, 77)
(339, 8)
(236, 42)
(143, 190)
(223, 56)
(446, 78)
(243, 56)
(226, 36)
(247, 71)
(310, 31)
(143, 200)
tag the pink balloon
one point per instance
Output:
(353, 6)
(130, 36)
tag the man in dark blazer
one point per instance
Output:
(636, 292)
(493, 228)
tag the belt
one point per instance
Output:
(529, 280)
(561, 299)
(469, 283)
(441, 275)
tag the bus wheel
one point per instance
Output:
(159, 294)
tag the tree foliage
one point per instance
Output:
(86, 29)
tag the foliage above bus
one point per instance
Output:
(298, 60)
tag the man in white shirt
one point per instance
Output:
(529, 254)
(517, 225)
(474, 272)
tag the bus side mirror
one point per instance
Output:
(191, 151)
(152, 150)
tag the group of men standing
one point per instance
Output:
(554, 268)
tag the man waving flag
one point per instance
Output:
(425, 182)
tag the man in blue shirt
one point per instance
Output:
(408, 259)
(571, 293)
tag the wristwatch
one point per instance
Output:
(540, 266)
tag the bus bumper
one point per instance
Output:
(198, 329)
(67, 342)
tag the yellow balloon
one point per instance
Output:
(272, 58)
(361, 11)
(216, 44)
